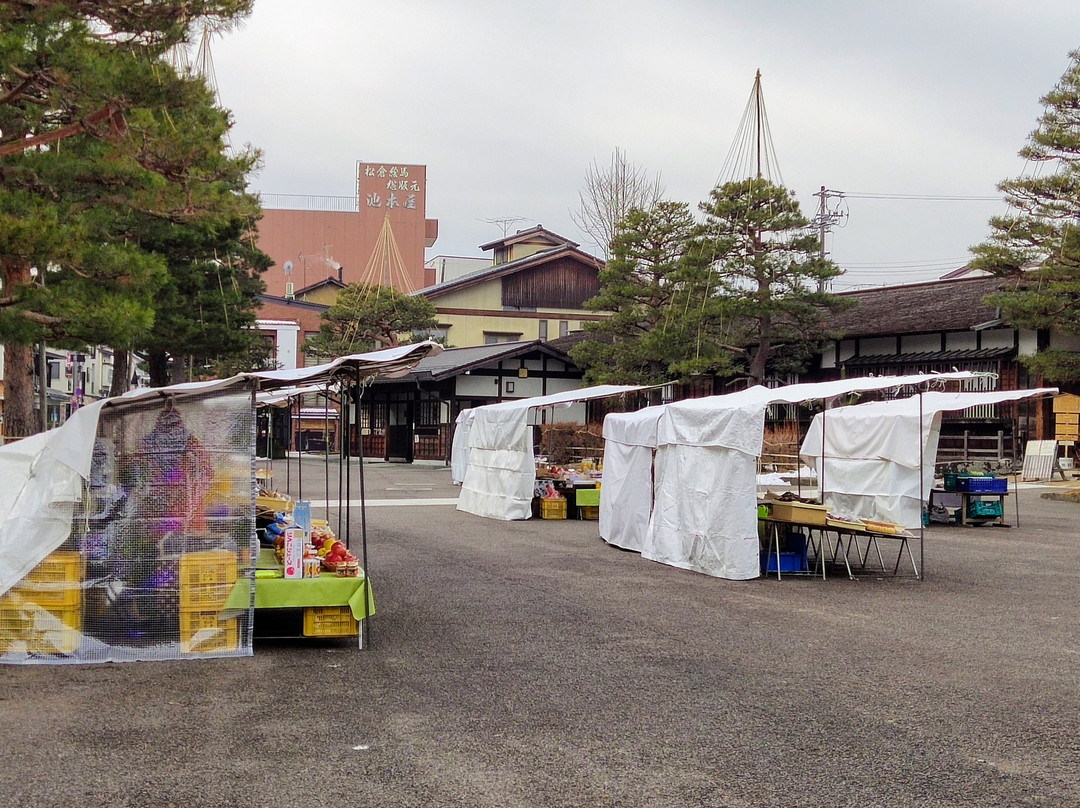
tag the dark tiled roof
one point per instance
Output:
(954, 305)
(958, 357)
(524, 235)
(454, 361)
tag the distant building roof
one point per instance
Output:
(538, 233)
(455, 361)
(510, 267)
(953, 305)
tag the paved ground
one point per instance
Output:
(530, 664)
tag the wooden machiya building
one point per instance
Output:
(942, 326)
(412, 418)
(535, 288)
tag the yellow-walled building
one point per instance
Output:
(535, 289)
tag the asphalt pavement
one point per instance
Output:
(531, 664)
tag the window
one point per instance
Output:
(564, 327)
(494, 337)
(542, 329)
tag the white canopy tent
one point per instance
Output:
(43, 474)
(499, 468)
(704, 492)
(629, 442)
(869, 456)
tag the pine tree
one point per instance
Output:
(768, 270)
(98, 135)
(1036, 246)
(655, 286)
(365, 318)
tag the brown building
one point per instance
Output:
(377, 237)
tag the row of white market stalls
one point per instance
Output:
(492, 456)
(680, 479)
(132, 489)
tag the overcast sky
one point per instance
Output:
(508, 103)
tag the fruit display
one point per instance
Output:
(334, 554)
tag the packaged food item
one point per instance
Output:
(293, 553)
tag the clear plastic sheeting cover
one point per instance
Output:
(155, 557)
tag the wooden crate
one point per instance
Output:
(1067, 402)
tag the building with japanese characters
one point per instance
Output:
(377, 236)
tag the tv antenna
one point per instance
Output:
(505, 222)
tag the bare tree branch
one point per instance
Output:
(612, 192)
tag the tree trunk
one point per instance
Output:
(179, 370)
(121, 377)
(759, 363)
(19, 417)
(158, 362)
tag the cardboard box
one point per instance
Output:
(798, 512)
(293, 561)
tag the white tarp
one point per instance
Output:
(42, 474)
(500, 471)
(627, 495)
(704, 516)
(459, 449)
(868, 456)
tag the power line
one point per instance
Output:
(922, 197)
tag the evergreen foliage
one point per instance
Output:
(768, 269)
(370, 317)
(1036, 245)
(656, 287)
(733, 295)
(113, 177)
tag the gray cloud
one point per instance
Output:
(507, 104)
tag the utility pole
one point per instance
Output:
(826, 218)
(43, 387)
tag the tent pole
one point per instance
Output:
(365, 627)
(299, 453)
(343, 454)
(922, 490)
(821, 481)
(326, 448)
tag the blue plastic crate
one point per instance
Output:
(979, 508)
(789, 562)
(982, 485)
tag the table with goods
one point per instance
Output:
(970, 500)
(310, 569)
(800, 536)
(571, 491)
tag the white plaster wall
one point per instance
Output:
(961, 341)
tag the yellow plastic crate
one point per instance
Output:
(204, 597)
(206, 632)
(330, 621)
(59, 567)
(40, 631)
(203, 569)
(590, 511)
(59, 595)
(552, 508)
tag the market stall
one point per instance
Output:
(872, 458)
(128, 533)
(629, 443)
(704, 512)
(494, 443)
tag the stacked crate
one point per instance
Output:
(330, 621)
(205, 581)
(42, 614)
(1067, 418)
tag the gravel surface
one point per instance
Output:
(531, 664)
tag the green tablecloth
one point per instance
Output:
(295, 593)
